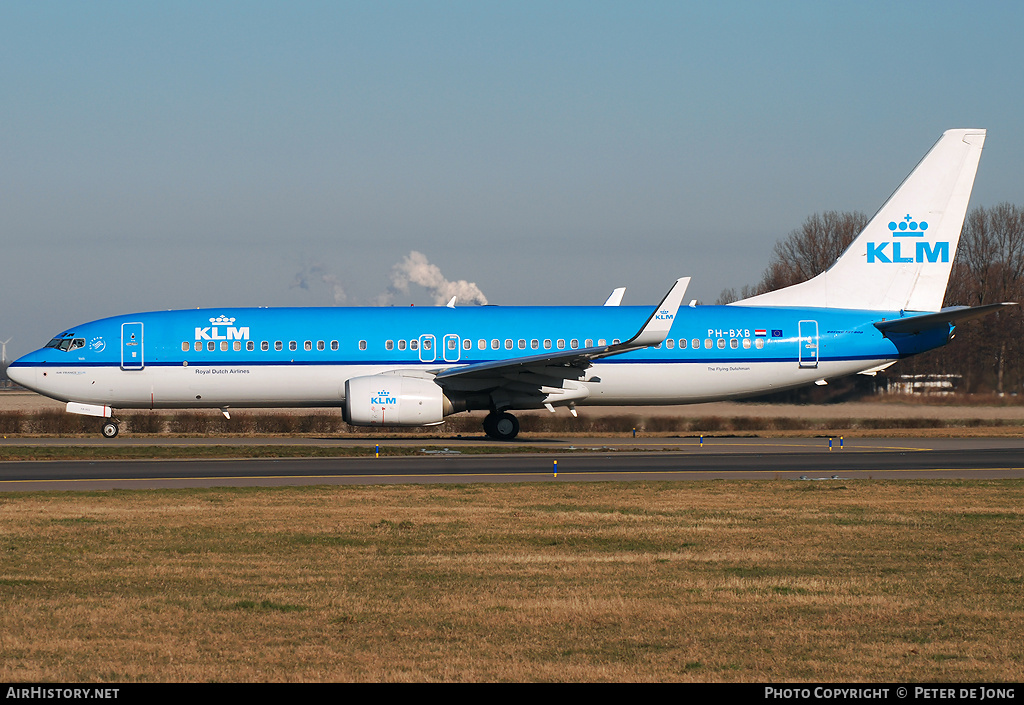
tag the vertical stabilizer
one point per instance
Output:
(902, 259)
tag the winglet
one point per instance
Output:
(616, 297)
(656, 328)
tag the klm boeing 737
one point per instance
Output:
(879, 302)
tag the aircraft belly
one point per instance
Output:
(694, 382)
(194, 386)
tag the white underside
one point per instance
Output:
(324, 386)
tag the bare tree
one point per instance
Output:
(989, 268)
(729, 295)
(811, 249)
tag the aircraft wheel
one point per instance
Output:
(501, 427)
(109, 429)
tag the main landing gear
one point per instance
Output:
(109, 429)
(501, 426)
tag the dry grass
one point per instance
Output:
(717, 581)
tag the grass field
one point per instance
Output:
(699, 581)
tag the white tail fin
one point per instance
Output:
(902, 259)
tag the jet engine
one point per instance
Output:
(394, 400)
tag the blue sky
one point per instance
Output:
(216, 154)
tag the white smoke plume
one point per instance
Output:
(317, 272)
(413, 269)
(416, 269)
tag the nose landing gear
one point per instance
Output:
(109, 429)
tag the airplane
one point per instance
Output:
(881, 301)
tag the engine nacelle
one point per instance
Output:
(394, 400)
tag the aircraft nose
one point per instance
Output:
(25, 376)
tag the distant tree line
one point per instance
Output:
(988, 268)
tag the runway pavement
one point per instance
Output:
(578, 459)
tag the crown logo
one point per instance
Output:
(908, 227)
(222, 321)
(383, 394)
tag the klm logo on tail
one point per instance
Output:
(921, 252)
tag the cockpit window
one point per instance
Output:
(66, 344)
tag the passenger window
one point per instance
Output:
(401, 345)
(734, 344)
(574, 344)
(250, 346)
(708, 344)
(389, 345)
(535, 344)
(601, 342)
(427, 343)
(682, 343)
(211, 346)
(759, 343)
(521, 344)
(467, 344)
(334, 345)
(237, 345)
(588, 343)
(224, 345)
(561, 343)
(746, 343)
(185, 347)
(495, 344)
(670, 343)
(308, 345)
(696, 343)
(452, 344)
(362, 345)
(547, 343)
(721, 343)
(481, 344)
(320, 345)
(278, 345)
(265, 345)
(508, 343)
(199, 346)
(292, 345)
(414, 344)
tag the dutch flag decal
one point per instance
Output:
(761, 333)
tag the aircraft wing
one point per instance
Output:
(533, 373)
(912, 325)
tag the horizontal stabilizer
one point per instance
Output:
(912, 325)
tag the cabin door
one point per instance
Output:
(131, 346)
(808, 354)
